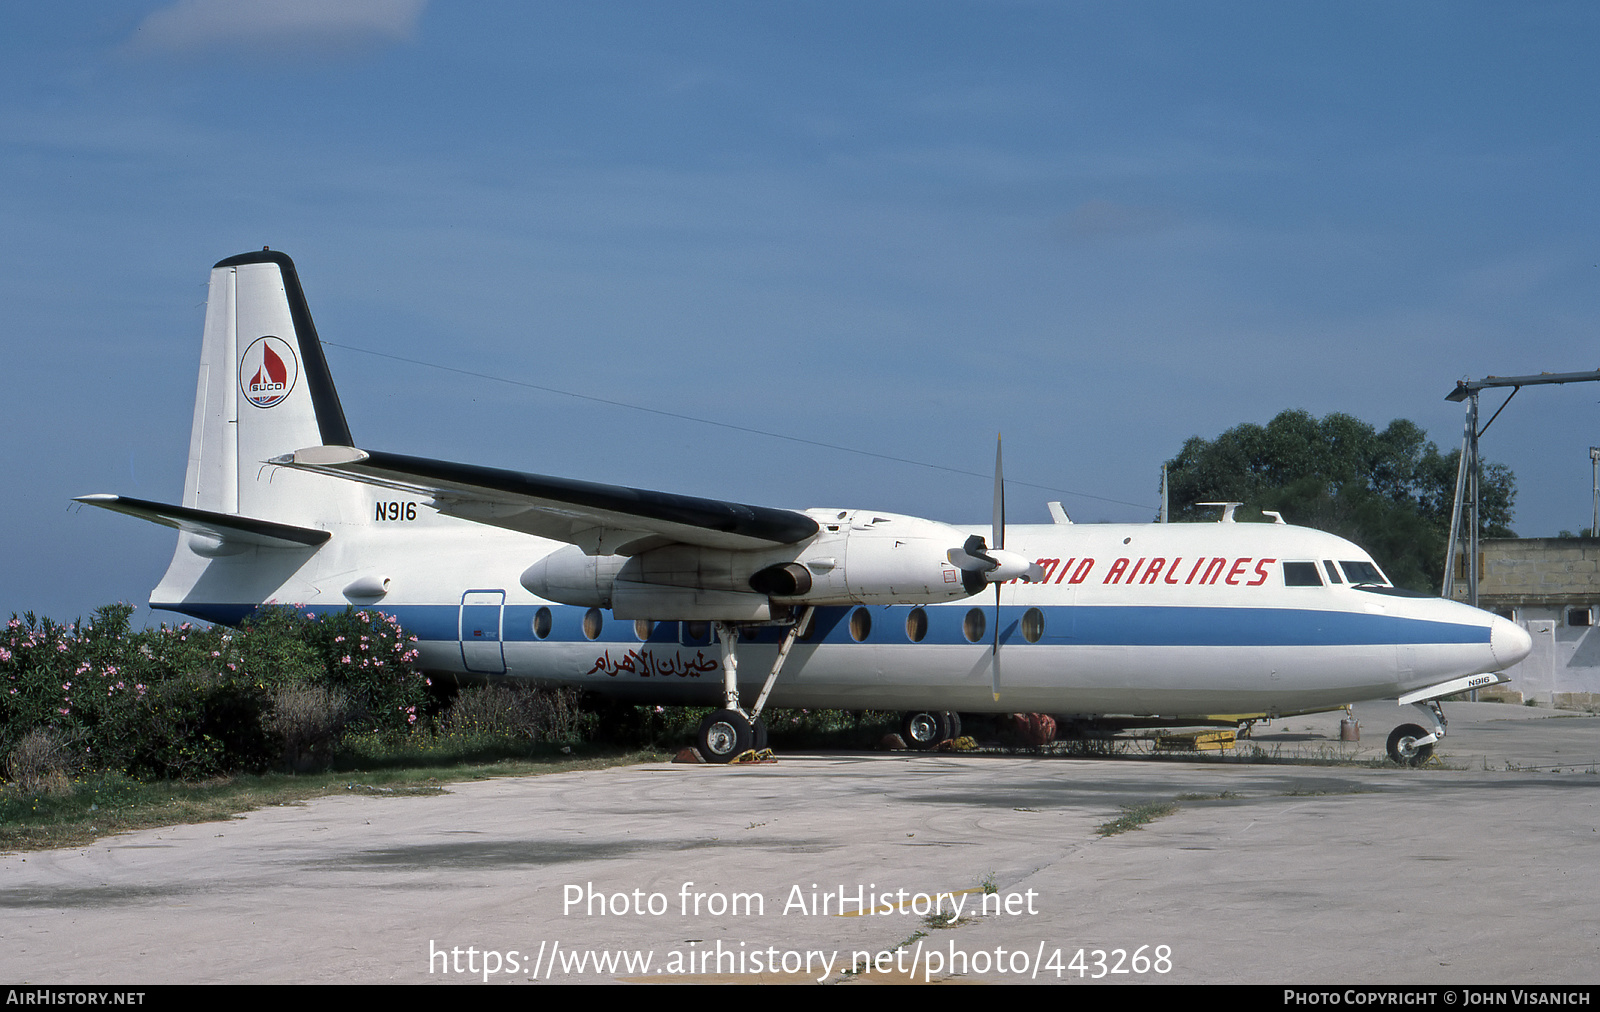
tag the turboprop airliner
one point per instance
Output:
(660, 598)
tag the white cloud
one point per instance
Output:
(196, 26)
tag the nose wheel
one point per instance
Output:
(1406, 746)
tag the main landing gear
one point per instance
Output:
(732, 731)
(926, 729)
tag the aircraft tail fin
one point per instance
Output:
(264, 389)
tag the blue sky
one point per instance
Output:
(1100, 228)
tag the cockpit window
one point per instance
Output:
(1333, 571)
(1301, 574)
(1362, 572)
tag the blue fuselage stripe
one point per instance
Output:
(1066, 625)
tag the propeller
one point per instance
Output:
(980, 564)
(998, 530)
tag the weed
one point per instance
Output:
(518, 712)
(43, 763)
(1134, 816)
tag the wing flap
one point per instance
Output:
(601, 519)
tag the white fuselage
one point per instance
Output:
(1153, 619)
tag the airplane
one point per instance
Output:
(659, 598)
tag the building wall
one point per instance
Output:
(1551, 587)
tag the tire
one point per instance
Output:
(724, 735)
(758, 735)
(1403, 747)
(924, 729)
(953, 719)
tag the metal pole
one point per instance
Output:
(1474, 476)
(1594, 465)
(1455, 513)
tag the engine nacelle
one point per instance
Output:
(857, 557)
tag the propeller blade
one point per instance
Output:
(999, 531)
(994, 660)
(973, 556)
(999, 527)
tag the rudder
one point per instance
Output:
(264, 388)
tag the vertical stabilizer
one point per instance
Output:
(264, 389)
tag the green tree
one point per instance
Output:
(1390, 492)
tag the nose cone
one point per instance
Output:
(1508, 642)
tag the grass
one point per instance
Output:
(104, 804)
(1134, 816)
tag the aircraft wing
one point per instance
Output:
(600, 519)
(225, 527)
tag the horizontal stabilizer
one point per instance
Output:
(601, 519)
(226, 528)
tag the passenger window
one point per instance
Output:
(973, 625)
(1301, 574)
(1033, 625)
(917, 625)
(860, 625)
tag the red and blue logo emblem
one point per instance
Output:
(267, 371)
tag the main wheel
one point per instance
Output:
(1403, 747)
(953, 720)
(724, 735)
(924, 730)
(758, 735)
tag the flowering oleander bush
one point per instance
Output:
(363, 656)
(190, 701)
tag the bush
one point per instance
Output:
(191, 727)
(190, 701)
(307, 722)
(528, 714)
(368, 657)
(42, 763)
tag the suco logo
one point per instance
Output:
(267, 371)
